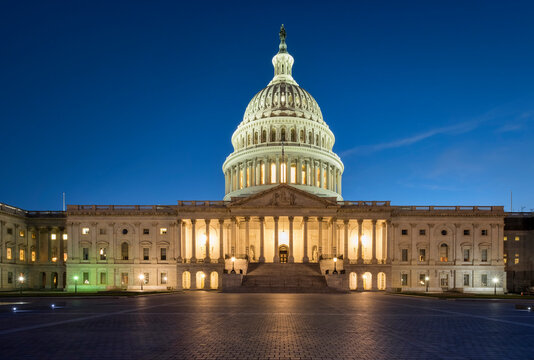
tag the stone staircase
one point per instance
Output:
(284, 278)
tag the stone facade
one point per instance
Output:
(519, 251)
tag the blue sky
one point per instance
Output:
(135, 102)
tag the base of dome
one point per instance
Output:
(246, 192)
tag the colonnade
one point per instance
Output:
(330, 238)
(277, 170)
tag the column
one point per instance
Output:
(327, 170)
(299, 171)
(207, 259)
(221, 242)
(346, 241)
(253, 173)
(267, 171)
(382, 256)
(291, 258)
(276, 257)
(234, 234)
(333, 245)
(321, 174)
(247, 236)
(278, 170)
(320, 250)
(178, 246)
(70, 231)
(193, 244)
(373, 259)
(360, 233)
(305, 258)
(61, 257)
(49, 243)
(262, 239)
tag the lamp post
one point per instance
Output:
(141, 280)
(21, 282)
(495, 281)
(426, 282)
(335, 270)
(233, 267)
(75, 284)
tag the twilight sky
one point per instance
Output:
(135, 102)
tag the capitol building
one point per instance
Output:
(282, 225)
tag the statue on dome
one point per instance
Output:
(282, 33)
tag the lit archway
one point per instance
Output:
(186, 280)
(381, 279)
(214, 280)
(200, 279)
(353, 281)
(367, 281)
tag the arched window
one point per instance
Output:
(186, 280)
(381, 279)
(353, 281)
(248, 140)
(310, 139)
(367, 281)
(293, 135)
(273, 135)
(317, 140)
(200, 279)
(283, 135)
(255, 138)
(124, 251)
(302, 137)
(214, 280)
(264, 136)
(443, 252)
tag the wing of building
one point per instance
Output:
(282, 225)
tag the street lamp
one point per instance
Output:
(495, 281)
(75, 284)
(21, 282)
(142, 280)
(233, 267)
(335, 270)
(426, 281)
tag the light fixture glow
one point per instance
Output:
(495, 280)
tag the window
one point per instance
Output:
(85, 231)
(124, 231)
(103, 255)
(34, 236)
(466, 254)
(9, 231)
(102, 231)
(33, 255)
(484, 255)
(443, 232)
(163, 278)
(124, 279)
(505, 258)
(516, 260)
(404, 255)
(163, 231)
(103, 278)
(466, 233)
(404, 232)
(163, 254)
(10, 277)
(65, 237)
(422, 280)
(65, 257)
(466, 280)
(444, 253)
(146, 231)
(124, 251)
(85, 254)
(444, 281)
(505, 238)
(422, 254)
(146, 279)
(21, 254)
(516, 238)
(146, 254)
(404, 279)
(422, 232)
(484, 232)
(86, 278)
(9, 253)
(21, 233)
(484, 280)
(53, 236)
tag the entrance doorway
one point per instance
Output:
(283, 252)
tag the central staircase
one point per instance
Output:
(284, 278)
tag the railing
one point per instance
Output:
(17, 211)
(119, 208)
(450, 208)
(364, 203)
(520, 213)
(204, 203)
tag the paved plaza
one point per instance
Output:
(203, 325)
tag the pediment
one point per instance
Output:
(284, 196)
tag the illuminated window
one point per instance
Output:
(404, 279)
(505, 258)
(21, 255)
(516, 238)
(124, 279)
(318, 177)
(146, 252)
(102, 253)
(304, 180)
(21, 233)
(147, 279)
(422, 254)
(163, 254)
(162, 231)
(85, 278)
(516, 260)
(506, 238)
(484, 255)
(422, 281)
(163, 278)
(9, 254)
(484, 232)
(293, 175)
(53, 236)
(404, 255)
(262, 173)
(422, 232)
(248, 177)
(85, 231)
(33, 236)
(324, 179)
(65, 236)
(273, 173)
(484, 280)
(443, 253)
(33, 256)
(240, 179)
(283, 173)
(65, 257)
